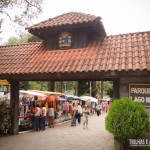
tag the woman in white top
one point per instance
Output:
(50, 114)
(43, 116)
(85, 117)
(37, 114)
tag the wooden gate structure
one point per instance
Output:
(75, 47)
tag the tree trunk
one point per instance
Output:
(51, 86)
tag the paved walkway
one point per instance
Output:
(63, 137)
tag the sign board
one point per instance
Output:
(140, 93)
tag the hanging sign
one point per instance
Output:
(65, 40)
(140, 93)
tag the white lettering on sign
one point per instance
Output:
(139, 99)
(147, 99)
(140, 90)
(140, 93)
(142, 99)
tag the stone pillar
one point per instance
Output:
(14, 101)
(116, 88)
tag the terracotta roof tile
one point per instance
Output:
(65, 19)
(119, 52)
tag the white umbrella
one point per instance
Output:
(31, 93)
(91, 99)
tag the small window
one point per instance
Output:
(65, 40)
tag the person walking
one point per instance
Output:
(37, 114)
(85, 117)
(107, 106)
(50, 114)
(73, 113)
(98, 109)
(79, 108)
(103, 107)
(43, 117)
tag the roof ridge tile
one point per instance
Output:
(65, 19)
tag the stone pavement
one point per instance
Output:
(63, 137)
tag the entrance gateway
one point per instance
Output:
(75, 47)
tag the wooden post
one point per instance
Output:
(14, 101)
(116, 88)
(102, 88)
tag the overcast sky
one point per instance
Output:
(118, 16)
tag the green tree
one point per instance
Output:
(24, 38)
(107, 86)
(28, 9)
(94, 89)
(12, 41)
(83, 88)
(33, 38)
(66, 86)
(34, 86)
(110, 92)
(25, 11)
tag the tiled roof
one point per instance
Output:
(71, 18)
(119, 53)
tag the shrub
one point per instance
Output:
(5, 116)
(126, 119)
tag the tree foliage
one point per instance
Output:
(69, 87)
(19, 12)
(25, 38)
(84, 88)
(5, 116)
(26, 85)
(107, 85)
(110, 92)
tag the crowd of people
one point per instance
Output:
(102, 107)
(42, 115)
(77, 112)
(39, 116)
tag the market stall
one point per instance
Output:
(62, 109)
(91, 102)
(28, 100)
(73, 99)
(51, 100)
